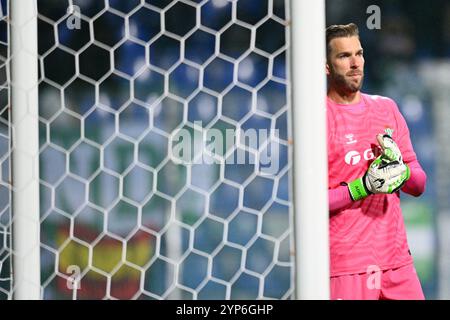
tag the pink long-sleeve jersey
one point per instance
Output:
(369, 234)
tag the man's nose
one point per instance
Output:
(354, 63)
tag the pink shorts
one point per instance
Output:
(392, 284)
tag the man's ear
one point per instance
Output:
(327, 69)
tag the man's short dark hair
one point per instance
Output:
(340, 31)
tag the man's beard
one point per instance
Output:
(342, 84)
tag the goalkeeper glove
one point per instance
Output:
(389, 148)
(381, 177)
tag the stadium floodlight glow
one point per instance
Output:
(220, 3)
(246, 70)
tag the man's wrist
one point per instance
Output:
(408, 172)
(358, 189)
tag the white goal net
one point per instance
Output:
(164, 150)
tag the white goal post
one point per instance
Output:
(128, 219)
(310, 149)
(25, 150)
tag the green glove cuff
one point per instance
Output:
(408, 172)
(357, 189)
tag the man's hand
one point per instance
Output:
(384, 177)
(389, 149)
(381, 177)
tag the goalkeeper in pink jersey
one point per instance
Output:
(370, 160)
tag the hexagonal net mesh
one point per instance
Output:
(120, 82)
(5, 194)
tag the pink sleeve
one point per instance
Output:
(339, 198)
(415, 186)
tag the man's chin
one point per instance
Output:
(354, 87)
(344, 85)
